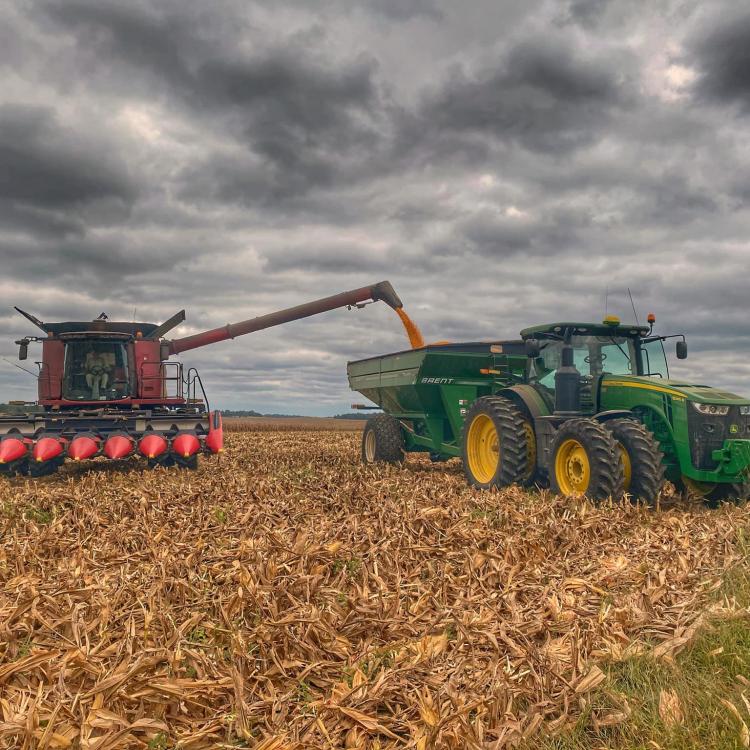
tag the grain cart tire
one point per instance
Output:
(494, 448)
(641, 456)
(382, 440)
(586, 461)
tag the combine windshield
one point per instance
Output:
(95, 371)
(593, 356)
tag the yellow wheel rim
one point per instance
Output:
(530, 450)
(572, 468)
(482, 449)
(627, 466)
(370, 447)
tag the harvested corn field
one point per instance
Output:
(285, 596)
(279, 424)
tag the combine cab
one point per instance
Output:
(587, 407)
(110, 389)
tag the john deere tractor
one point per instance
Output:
(588, 407)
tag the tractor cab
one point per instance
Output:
(594, 351)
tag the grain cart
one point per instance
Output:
(110, 389)
(588, 407)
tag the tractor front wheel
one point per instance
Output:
(586, 461)
(382, 440)
(714, 494)
(495, 450)
(641, 459)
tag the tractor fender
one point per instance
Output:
(605, 416)
(531, 403)
(528, 398)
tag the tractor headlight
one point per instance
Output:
(745, 410)
(715, 409)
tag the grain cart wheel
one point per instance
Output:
(586, 461)
(641, 456)
(494, 444)
(382, 440)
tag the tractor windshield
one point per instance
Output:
(593, 356)
(95, 371)
(654, 359)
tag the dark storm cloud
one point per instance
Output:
(403, 10)
(88, 261)
(490, 233)
(338, 257)
(301, 117)
(503, 162)
(133, 34)
(721, 53)
(585, 12)
(543, 94)
(49, 167)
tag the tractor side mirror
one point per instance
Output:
(23, 350)
(532, 348)
(681, 349)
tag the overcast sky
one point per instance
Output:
(502, 163)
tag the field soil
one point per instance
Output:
(285, 596)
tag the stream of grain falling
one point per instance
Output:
(412, 331)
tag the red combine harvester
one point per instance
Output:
(109, 389)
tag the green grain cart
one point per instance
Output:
(588, 407)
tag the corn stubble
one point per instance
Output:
(287, 597)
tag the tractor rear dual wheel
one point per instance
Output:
(495, 446)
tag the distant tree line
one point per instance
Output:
(251, 413)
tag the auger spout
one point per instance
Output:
(382, 291)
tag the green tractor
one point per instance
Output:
(587, 407)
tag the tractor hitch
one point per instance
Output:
(733, 458)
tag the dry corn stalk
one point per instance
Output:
(289, 597)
